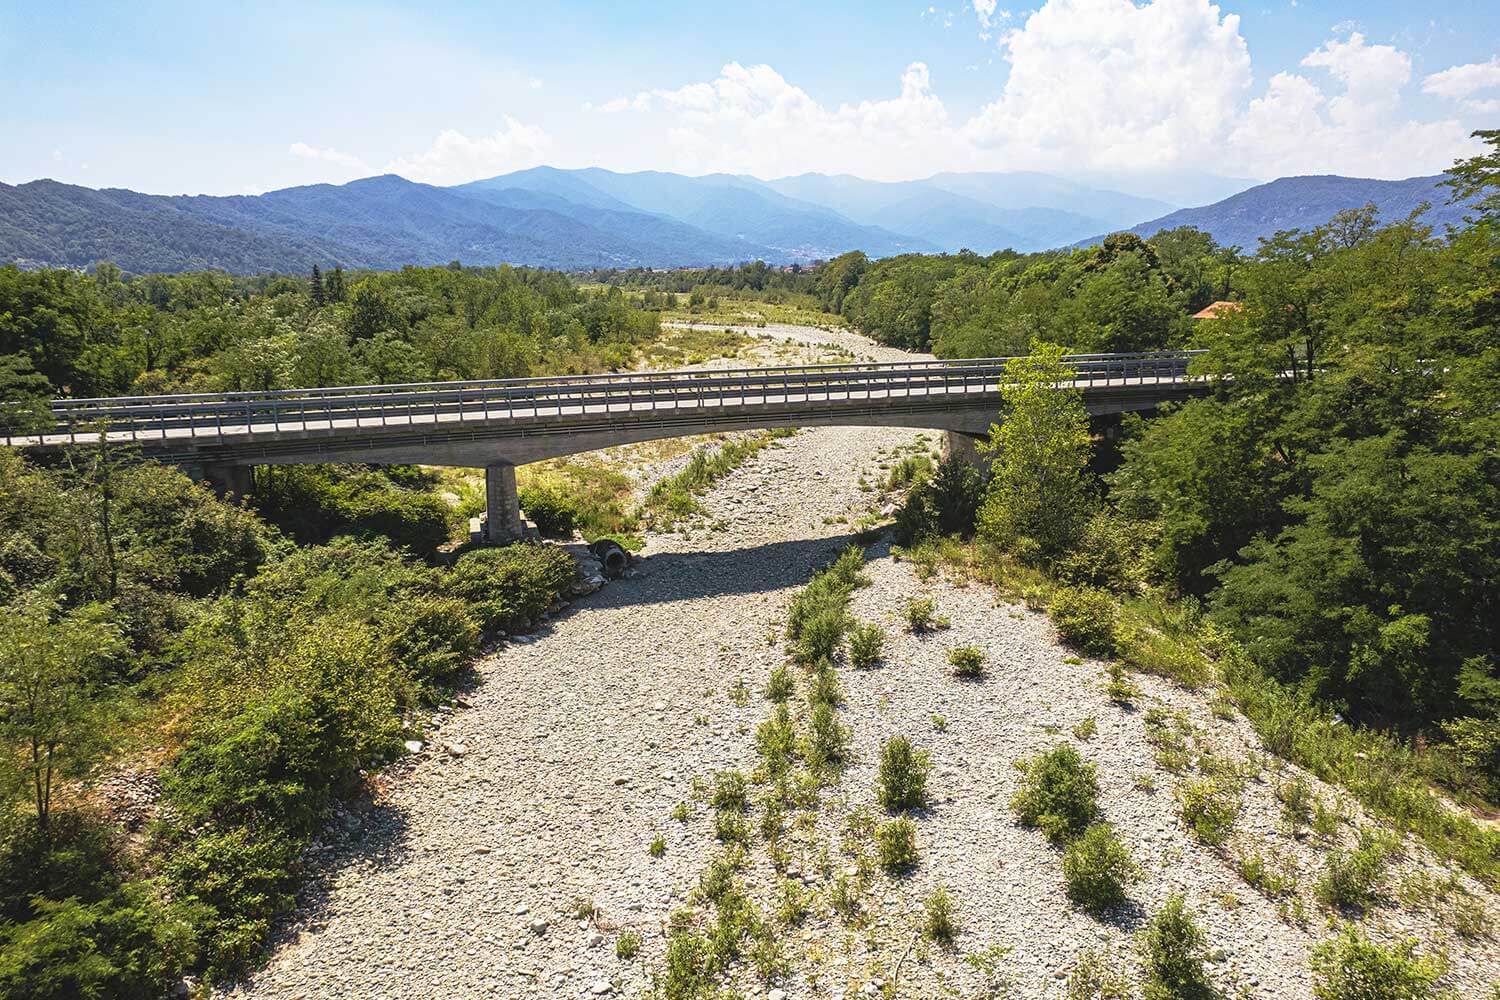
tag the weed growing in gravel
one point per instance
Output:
(845, 895)
(729, 794)
(819, 614)
(658, 846)
(922, 616)
(731, 828)
(722, 874)
(865, 644)
(896, 845)
(1120, 689)
(793, 900)
(1296, 799)
(1086, 729)
(902, 782)
(1144, 782)
(1095, 977)
(1168, 734)
(1209, 808)
(967, 661)
(940, 723)
(1327, 818)
(1355, 879)
(1447, 899)
(1271, 878)
(939, 917)
(828, 740)
(1059, 793)
(1350, 966)
(823, 685)
(680, 812)
(1173, 950)
(1097, 868)
(585, 909)
(990, 965)
(627, 945)
(780, 685)
(776, 742)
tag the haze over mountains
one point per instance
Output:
(579, 219)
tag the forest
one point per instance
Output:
(1329, 510)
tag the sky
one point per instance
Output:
(225, 98)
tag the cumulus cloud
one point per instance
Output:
(454, 157)
(1462, 83)
(1108, 84)
(1299, 127)
(751, 118)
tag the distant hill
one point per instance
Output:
(581, 219)
(983, 212)
(1304, 203)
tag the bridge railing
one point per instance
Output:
(235, 415)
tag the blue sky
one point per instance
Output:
(174, 97)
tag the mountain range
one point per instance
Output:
(580, 219)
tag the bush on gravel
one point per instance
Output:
(1059, 794)
(901, 785)
(1097, 868)
(1174, 950)
(1085, 617)
(509, 588)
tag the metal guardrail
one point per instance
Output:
(216, 417)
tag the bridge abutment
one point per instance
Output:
(228, 480)
(502, 504)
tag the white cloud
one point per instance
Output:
(1298, 127)
(1108, 84)
(346, 166)
(454, 157)
(1461, 83)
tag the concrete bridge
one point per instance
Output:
(499, 424)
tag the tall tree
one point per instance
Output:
(315, 287)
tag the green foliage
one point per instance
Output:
(781, 684)
(628, 945)
(314, 502)
(1209, 808)
(945, 503)
(819, 615)
(1094, 977)
(509, 588)
(1173, 950)
(1354, 879)
(676, 497)
(1085, 617)
(1350, 967)
(554, 512)
(896, 845)
(1059, 794)
(865, 642)
(966, 661)
(1038, 498)
(901, 784)
(939, 917)
(921, 616)
(1097, 868)
(828, 739)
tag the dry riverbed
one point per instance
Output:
(537, 798)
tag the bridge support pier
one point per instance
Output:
(957, 444)
(228, 480)
(503, 504)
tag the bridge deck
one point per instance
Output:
(316, 424)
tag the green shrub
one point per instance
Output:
(1475, 744)
(1106, 554)
(823, 685)
(921, 616)
(730, 792)
(509, 588)
(1209, 808)
(433, 636)
(822, 629)
(628, 945)
(128, 945)
(550, 508)
(828, 739)
(1173, 951)
(238, 883)
(780, 685)
(1354, 879)
(776, 741)
(865, 642)
(1059, 794)
(1097, 868)
(967, 661)
(311, 502)
(896, 845)
(1349, 967)
(939, 917)
(1085, 617)
(901, 784)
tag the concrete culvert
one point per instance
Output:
(612, 556)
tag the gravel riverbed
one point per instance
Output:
(565, 759)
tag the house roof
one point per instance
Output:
(1216, 309)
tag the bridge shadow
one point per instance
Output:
(667, 577)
